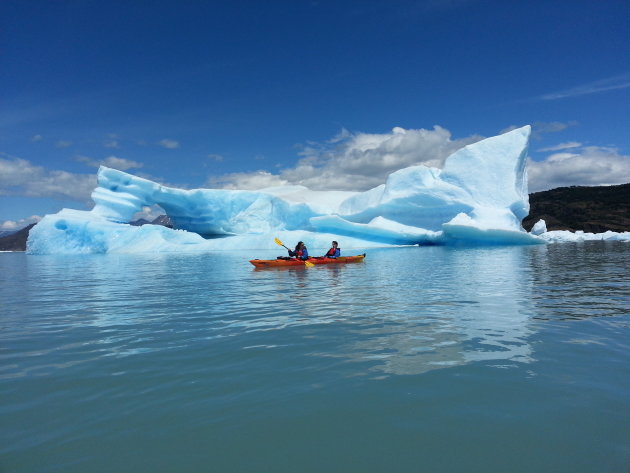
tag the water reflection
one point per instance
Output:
(407, 311)
(402, 311)
(459, 306)
(582, 280)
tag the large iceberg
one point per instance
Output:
(479, 197)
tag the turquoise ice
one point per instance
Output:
(479, 197)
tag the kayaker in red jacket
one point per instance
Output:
(334, 252)
(300, 251)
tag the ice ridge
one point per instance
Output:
(479, 197)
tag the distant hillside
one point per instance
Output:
(592, 209)
(16, 241)
(164, 220)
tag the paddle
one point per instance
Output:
(308, 264)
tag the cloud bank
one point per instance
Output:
(354, 161)
(10, 225)
(20, 177)
(361, 161)
(586, 166)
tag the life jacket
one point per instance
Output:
(331, 252)
(299, 253)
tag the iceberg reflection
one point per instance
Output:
(475, 306)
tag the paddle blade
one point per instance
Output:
(308, 264)
(278, 242)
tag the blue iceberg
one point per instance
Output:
(479, 197)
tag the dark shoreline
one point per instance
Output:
(590, 209)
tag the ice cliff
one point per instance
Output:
(479, 197)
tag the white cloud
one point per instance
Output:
(591, 166)
(21, 177)
(611, 83)
(63, 144)
(356, 161)
(111, 162)
(36, 138)
(561, 146)
(112, 144)
(247, 181)
(170, 144)
(121, 163)
(10, 225)
(543, 128)
(16, 172)
(215, 157)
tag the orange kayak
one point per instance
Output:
(274, 263)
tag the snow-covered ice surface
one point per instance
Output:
(479, 197)
(564, 236)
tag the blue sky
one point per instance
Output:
(249, 93)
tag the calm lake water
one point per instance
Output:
(431, 359)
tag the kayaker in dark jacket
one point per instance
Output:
(334, 252)
(300, 251)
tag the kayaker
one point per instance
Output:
(300, 251)
(334, 251)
